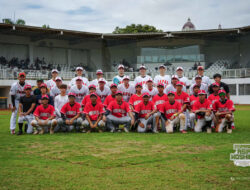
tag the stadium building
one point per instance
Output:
(37, 50)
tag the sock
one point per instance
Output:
(20, 126)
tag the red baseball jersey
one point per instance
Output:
(206, 105)
(87, 99)
(119, 110)
(135, 99)
(228, 105)
(183, 97)
(213, 98)
(71, 111)
(159, 100)
(193, 98)
(143, 109)
(108, 100)
(170, 109)
(44, 113)
(93, 111)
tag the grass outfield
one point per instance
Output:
(123, 161)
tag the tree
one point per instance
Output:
(45, 26)
(18, 21)
(7, 21)
(133, 28)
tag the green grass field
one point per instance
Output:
(123, 161)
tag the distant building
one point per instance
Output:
(188, 26)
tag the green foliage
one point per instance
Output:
(9, 21)
(45, 26)
(133, 28)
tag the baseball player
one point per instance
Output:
(102, 90)
(222, 85)
(179, 73)
(26, 107)
(172, 115)
(143, 78)
(86, 99)
(144, 111)
(51, 83)
(99, 74)
(94, 111)
(205, 79)
(111, 97)
(127, 89)
(79, 73)
(194, 96)
(172, 86)
(198, 81)
(79, 90)
(214, 96)
(16, 92)
(36, 89)
(162, 77)
(223, 109)
(119, 113)
(136, 98)
(44, 91)
(70, 115)
(202, 109)
(56, 89)
(150, 89)
(61, 100)
(44, 117)
(119, 78)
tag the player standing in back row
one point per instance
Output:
(162, 77)
(119, 78)
(143, 78)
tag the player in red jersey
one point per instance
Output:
(215, 96)
(70, 115)
(195, 96)
(44, 117)
(144, 112)
(119, 113)
(136, 98)
(171, 113)
(111, 97)
(202, 109)
(94, 111)
(223, 109)
(86, 99)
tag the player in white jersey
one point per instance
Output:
(51, 83)
(61, 99)
(172, 86)
(99, 74)
(102, 90)
(79, 73)
(119, 78)
(150, 89)
(143, 78)
(198, 81)
(127, 89)
(79, 89)
(183, 79)
(16, 91)
(56, 89)
(162, 77)
(205, 79)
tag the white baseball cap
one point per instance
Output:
(126, 77)
(54, 70)
(78, 78)
(101, 80)
(79, 68)
(162, 66)
(99, 71)
(175, 77)
(58, 78)
(121, 66)
(179, 68)
(142, 67)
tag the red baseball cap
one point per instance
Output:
(45, 96)
(27, 86)
(171, 92)
(222, 92)
(201, 92)
(179, 83)
(200, 68)
(93, 94)
(113, 85)
(160, 84)
(138, 84)
(146, 94)
(216, 84)
(43, 85)
(22, 74)
(92, 86)
(72, 94)
(118, 92)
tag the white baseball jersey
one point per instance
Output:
(103, 94)
(17, 90)
(142, 80)
(205, 80)
(95, 82)
(80, 93)
(85, 81)
(55, 91)
(184, 80)
(118, 79)
(166, 80)
(50, 84)
(152, 92)
(203, 86)
(171, 87)
(126, 92)
(59, 103)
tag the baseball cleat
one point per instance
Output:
(229, 130)
(126, 130)
(19, 133)
(13, 131)
(41, 132)
(209, 130)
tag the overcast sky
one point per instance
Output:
(104, 15)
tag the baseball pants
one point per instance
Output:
(202, 122)
(77, 123)
(180, 119)
(29, 119)
(14, 116)
(224, 122)
(146, 122)
(101, 125)
(35, 124)
(113, 122)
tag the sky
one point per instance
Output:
(104, 15)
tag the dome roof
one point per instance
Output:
(188, 25)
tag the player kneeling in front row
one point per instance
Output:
(117, 114)
(202, 109)
(70, 115)
(223, 109)
(171, 113)
(44, 117)
(93, 111)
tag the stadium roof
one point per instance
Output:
(37, 33)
